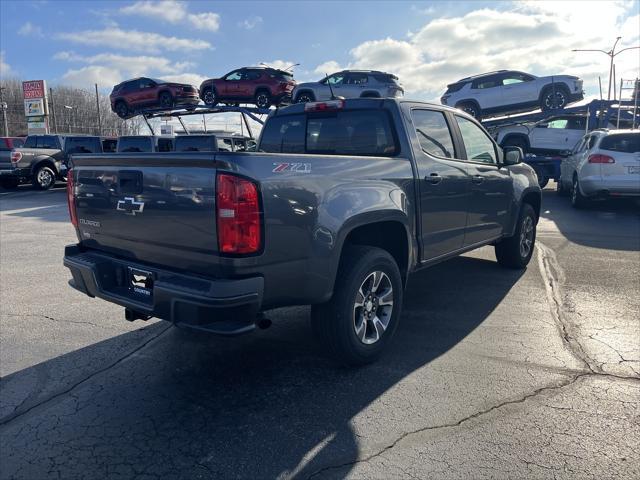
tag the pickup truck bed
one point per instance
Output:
(212, 240)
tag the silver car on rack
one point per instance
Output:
(605, 163)
(349, 84)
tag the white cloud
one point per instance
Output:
(5, 68)
(133, 66)
(107, 69)
(281, 64)
(87, 76)
(205, 21)
(173, 11)
(327, 68)
(531, 36)
(134, 40)
(251, 22)
(29, 29)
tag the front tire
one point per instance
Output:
(554, 98)
(122, 110)
(305, 97)
(470, 108)
(44, 178)
(359, 321)
(516, 251)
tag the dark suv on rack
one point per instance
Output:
(262, 86)
(132, 96)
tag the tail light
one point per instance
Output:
(238, 212)
(16, 157)
(71, 199)
(324, 106)
(598, 158)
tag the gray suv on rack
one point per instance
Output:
(349, 84)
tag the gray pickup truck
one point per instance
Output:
(341, 202)
(43, 159)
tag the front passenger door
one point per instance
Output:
(490, 185)
(442, 184)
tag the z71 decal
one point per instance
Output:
(291, 167)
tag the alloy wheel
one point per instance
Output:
(45, 178)
(526, 236)
(373, 307)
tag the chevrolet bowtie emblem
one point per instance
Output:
(129, 206)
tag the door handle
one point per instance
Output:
(434, 178)
(477, 179)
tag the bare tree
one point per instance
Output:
(71, 110)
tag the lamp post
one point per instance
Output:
(70, 108)
(612, 54)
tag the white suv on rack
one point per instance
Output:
(508, 91)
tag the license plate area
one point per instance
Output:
(634, 169)
(140, 283)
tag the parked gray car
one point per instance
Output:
(349, 84)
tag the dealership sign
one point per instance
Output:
(34, 108)
(33, 89)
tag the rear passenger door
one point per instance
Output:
(442, 184)
(490, 185)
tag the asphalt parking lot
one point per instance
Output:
(493, 374)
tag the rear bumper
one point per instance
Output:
(606, 187)
(225, 307)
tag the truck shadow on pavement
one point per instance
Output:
(266, 405)
(611, 224)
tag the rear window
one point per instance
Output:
(83, 145)
(165, 144)
(623, 142)
(385, 78)
(109, 145)
(18, 142)
(286, 76)
(196, 143)
(225, 145)
(134, 144)
(48, 141)
(351, 132)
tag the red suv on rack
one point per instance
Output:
(262, 86)
(132, 96)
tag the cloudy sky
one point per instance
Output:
(427, 44)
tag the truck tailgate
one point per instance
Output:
(155, 208)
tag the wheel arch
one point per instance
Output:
(534, 198)
(44, 160)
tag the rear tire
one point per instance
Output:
(578, 200)
(359, 321)
(262, 99)
(210, 97)
(560, 189)
(44, 178)
(516, 251)
(166, 100)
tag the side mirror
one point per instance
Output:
(513, 155)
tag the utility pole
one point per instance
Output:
(3, 107)
(53, 111)
(98, 107)
(612, 54)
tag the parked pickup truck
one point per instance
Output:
(342, 201)
(43, 159)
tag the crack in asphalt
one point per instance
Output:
(15, 415)
(570, 381)
(553, 276)
(34, 315)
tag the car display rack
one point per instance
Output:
(245, 113)
(599, 113)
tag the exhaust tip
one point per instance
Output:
(263, 323)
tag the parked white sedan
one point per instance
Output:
(604, 163)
